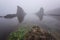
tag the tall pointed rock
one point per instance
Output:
(20, 14)
(40, 13)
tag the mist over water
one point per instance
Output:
(9, 25)
(30, 7)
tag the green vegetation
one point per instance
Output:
(19, 34)
(30, 33)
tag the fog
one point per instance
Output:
(50, 23)
(29, 6)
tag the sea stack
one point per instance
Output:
(40, 13)
(20, 14)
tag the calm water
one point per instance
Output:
(7, 26)
(49, 23)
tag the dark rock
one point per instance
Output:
(10, 16)
(37, 33)
(20, 14)
(40, 13)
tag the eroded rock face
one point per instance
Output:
(40, 13)
(37, 34)
(20, 14)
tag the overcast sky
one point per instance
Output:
(29, 6)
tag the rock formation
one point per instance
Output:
(20, 14)
(40, 13)
(10, 16)
(37, 33)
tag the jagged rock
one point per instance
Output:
(20, 14)
(40, 13)
(37, 33)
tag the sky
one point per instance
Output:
(29, 6)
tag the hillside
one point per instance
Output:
(54, 12)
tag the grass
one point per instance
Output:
(23, 32)
(19, 34)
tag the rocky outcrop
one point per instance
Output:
(37, 33)
(40, 13)
(10, 16)
(20, 14)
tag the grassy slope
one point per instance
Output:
(19, 34)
